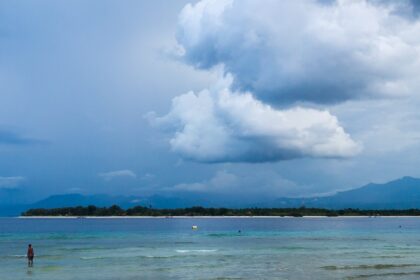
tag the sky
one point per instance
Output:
(225, 99)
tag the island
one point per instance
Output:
(115, 210)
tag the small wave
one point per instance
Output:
(92, 258)
(196, 251)
(396, 274)
(82, 249)
(159, 257)
(69, 237)
(24, 256)
(290, 248)
(383, 257)
(227, 278)
(16, 256)
(86, 258)
(220, 235)
(51, 268)
(365, 266)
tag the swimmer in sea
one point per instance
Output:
(30, 255)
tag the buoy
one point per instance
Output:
(194, 227)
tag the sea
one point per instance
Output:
(219, 248)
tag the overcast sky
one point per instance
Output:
(248, 99)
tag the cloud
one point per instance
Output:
(261, 184)
(108, 176)
(11, 182)
(385, 127)
(289, 65)
(219, 182)
(75, 190)
(407, 8)
(8, 137)
(148, 177)
(217, 125)
(305, 51)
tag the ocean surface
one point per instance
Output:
(221, 248)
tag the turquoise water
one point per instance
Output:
(266, 248)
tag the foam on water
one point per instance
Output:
(92, 258)
(16, 256)
(196, 251)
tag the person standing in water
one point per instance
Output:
(30, 255)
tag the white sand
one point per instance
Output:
(201, 217)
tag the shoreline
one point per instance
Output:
(202, 217)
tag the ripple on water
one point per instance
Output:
(140, 255)
(366, 266)
(389, 274)
(82, 249)
(50, 268)
(196, 251)
(383, 257)
(51, 257)
(222, 235)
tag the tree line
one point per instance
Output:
(115, 210)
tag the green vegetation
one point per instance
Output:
(201, 211)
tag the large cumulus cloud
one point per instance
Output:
(288, 51)
(217, 125)
(281, 62)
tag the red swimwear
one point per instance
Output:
(30, 254)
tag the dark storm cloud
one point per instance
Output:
(291, 51)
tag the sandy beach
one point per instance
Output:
(205, 217)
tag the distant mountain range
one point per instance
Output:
(403, 193)
(101, 200)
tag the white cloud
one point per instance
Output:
(75, 190)
(218, 125)
(282, 57)
(287, 51)
(221, 181)
(107, 176)
(384, 127)
(261, 184)
(11, 182)
(148, 177)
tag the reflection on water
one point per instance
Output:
(275, 248)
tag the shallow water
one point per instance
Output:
(265, 248)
